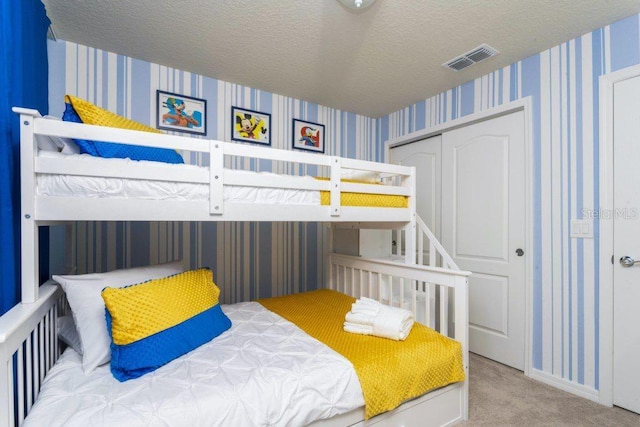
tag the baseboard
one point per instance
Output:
(566, 385)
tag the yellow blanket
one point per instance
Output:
(363, 199)
(390, 372)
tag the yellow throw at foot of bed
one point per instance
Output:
(390, 372)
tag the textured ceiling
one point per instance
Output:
(372, 62)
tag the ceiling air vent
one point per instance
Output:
(465, 60)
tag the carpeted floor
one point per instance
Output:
(503, 396)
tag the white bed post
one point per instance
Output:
(6, 388)
(29, 228)
(461, 333)
(335, 186)
(216, 178)
(410, 228)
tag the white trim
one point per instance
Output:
(566, 385)
(525, 105)
(492, 113)
(606, 248)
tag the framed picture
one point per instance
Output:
(250, 126)
(181, 113)
(308, 136)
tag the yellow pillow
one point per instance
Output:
(91, 114)
(154, 322)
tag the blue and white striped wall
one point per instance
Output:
(563, 85)
(249, 260)
(262, 259)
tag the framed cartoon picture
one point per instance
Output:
(308, 136)
(250, 126)
(181, 113)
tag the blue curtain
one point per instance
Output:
(23, 82)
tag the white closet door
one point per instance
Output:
(626, 239)
(483, 228)
(425, 155)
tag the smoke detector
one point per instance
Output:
(476, 55)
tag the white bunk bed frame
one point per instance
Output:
(28, 332)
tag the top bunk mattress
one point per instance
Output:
(55, 185)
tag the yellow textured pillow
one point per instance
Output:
(154, 322)
(91, 114)
(81, 111)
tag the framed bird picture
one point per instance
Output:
(250, 126)
(308, 136)
(181, 113)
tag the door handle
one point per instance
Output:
(519, 252)
(627, 261)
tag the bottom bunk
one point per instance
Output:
(264, 370)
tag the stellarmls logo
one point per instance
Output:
(620, 213)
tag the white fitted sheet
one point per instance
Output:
(264, 371)
(98, 187)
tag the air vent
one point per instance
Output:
(460, 63)
(478, 54)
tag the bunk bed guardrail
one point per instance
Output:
(33, 124)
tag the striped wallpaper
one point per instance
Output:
(260, 259)
(563, 85)
(249, 260)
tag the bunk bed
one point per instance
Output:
(436, 292)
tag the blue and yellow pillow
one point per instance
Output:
(154, 322)
(80, 111)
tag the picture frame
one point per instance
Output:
(250, 126)
(308, 136)
(175, 112)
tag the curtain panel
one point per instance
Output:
(23, 82)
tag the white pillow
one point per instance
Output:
(69, 147)
(46, 143)
(64, 145)
(87, 305)
(366, 176)
(68, 334)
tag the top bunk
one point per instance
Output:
(80, 187)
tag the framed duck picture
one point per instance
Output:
(250, 126)
(308, 136)
(181, 113)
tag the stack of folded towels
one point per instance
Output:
(369, 317)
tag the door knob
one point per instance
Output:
(519, 252)
(627, 261)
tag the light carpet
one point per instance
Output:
(503, 396)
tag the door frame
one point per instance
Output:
(605, 278)
(525, 105)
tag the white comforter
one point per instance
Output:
(121, 188)
(264, 371)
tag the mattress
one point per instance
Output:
(99, 187)
(52, 185)
(263, 371)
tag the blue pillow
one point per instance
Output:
(122, 151)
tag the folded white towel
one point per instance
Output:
(365, 307)
(369, 317)
(356, 328)
(393, 323)
(360, 318)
